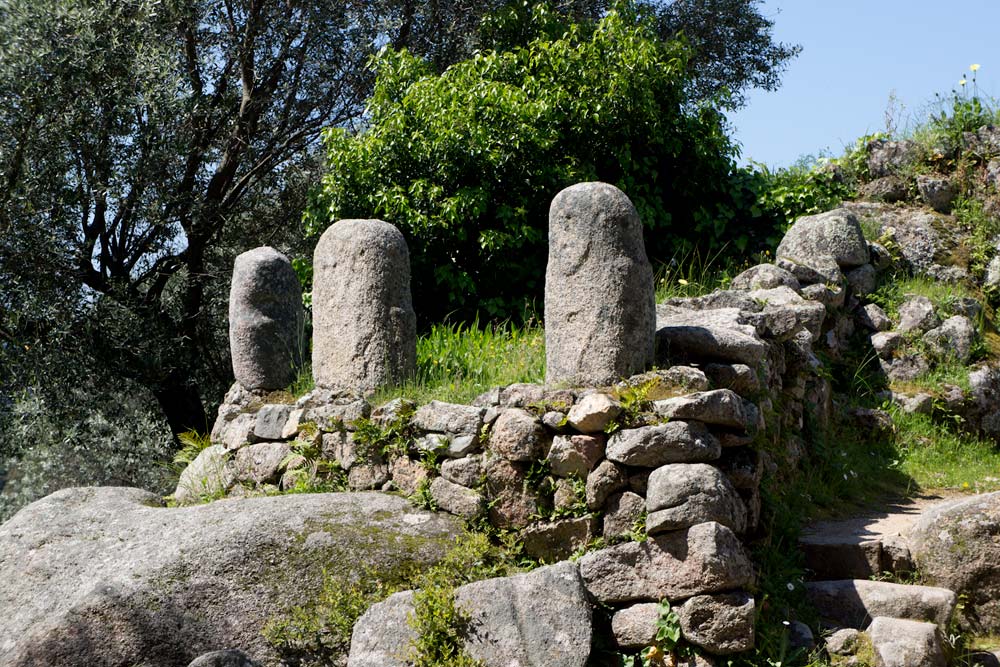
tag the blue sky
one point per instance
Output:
(855, 54)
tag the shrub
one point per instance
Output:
(466, 163)
(963, 111)
(810, 186)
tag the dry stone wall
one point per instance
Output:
(649, 464)
(569, 468)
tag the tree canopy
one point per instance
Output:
(466, 162)
(732, 46)
(143, 143)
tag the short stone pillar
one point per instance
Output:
(266, 337)
(600, 305)
(364, 327)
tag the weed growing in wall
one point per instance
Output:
(307, 468)
(897, 289)
(440, 625)
(192, 444)
(984, 228)
(666, 646)
(303, 382)
(319, 633)
(386, 440)
(422, 497)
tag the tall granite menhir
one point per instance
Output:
(600, 305)
(364, 327)
(265, 319)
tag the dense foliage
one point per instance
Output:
(466, 162)
(140, 141)
(732, 46)
(805, 188)
(144, 143)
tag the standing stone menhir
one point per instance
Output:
(265, 320)
(364, 327)
(600, 305)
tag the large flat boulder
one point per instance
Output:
(954, 545)
(107, 576)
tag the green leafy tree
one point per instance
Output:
(732, 44)
(144, 143)
(466, 162)
(733, 49)
(133, 136)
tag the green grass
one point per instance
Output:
(984, 228)
(457, 362)
(946, 371)
(870, 228)
(937, 455)
(893, 292)
(694, 274)
(945, 297)
(303, 382)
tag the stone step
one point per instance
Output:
(901, 643)
(841, 558)
(870, 543)
(853, 603)
(847, 557)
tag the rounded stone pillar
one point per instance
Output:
(364, 327)
(600, 304)
(265, 320)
